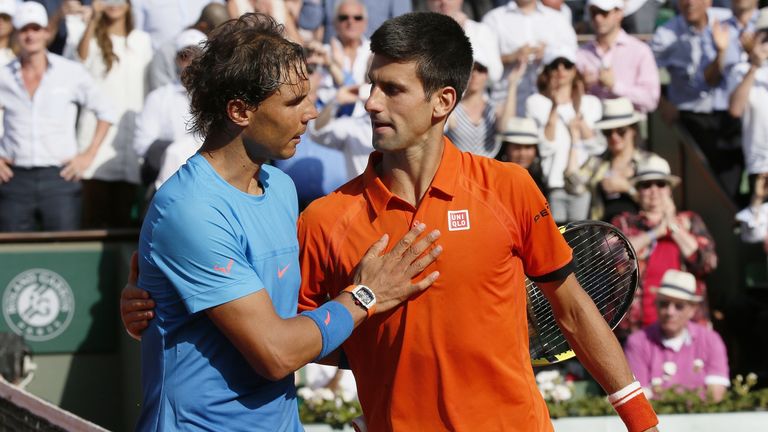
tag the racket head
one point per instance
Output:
(606, 268)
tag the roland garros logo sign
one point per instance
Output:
(38, 304)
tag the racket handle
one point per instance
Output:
(358, 424)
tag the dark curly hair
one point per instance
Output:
(435, 42)
(246, 59)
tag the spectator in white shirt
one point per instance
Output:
(566, 117)
(524, 29)
(164, 19)
(40, 165)
(116, 54)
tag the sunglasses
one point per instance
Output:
(620, 130)
(647, 184)
(663, 304)
(560, 62)
(343, 18)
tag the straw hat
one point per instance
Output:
(654, 168)
(679, 285)
(617, 113)
(520, 130)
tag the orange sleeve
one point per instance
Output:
(545, 253)
(311, 259)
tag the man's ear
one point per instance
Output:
(444, 102)
(237, 111)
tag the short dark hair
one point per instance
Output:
(247, 59)
(435, 42)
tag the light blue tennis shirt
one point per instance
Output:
(205, 243)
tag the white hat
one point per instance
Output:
(487, 54)
(189, 38)
(679, 285)
(30, 13)
(654, 168)
(8, 7)
(520, 130)
(552, 53)
(617, 113)
(762, 20)
(606, 5)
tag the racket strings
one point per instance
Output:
(606, 269)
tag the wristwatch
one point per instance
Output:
(364, 297)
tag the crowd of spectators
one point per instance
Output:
(94, 117)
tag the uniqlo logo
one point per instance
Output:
(458, 220)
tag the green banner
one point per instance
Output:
(62, 298)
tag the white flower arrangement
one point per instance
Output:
(553, 386)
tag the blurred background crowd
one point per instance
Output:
(94, 120)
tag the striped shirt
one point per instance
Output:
(479, 139)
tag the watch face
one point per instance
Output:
(365, 296)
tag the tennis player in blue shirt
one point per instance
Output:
(218, 252)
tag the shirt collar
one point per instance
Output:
(444, 182)
(513, 7)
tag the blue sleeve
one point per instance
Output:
(199, 251)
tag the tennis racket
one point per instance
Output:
(606, 267)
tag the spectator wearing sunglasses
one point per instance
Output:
(566, 118)
(616, 64)
(609, 175)
(664, 239)
(674, 351)
(316, 14)
(345, 57)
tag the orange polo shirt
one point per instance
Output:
(456, 356)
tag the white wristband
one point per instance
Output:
(621, 396)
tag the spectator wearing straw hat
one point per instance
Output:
(519, 138)
(664, 239)
(40, 162)
(610, 174)
(674, 351)
(616, 64)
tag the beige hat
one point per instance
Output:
(189, 38)
(762, 20)
(679, 285)
(520, 130)
(30, 13)
(617, 113)
(654, 168)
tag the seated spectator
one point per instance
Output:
(616, 64)
(163, 68)
(697, 49)
(40, 162)
(664, 239)
(674, 351)
(640, 16)
(473, 124)
(742, 25)
(566, 118)
(749, 101)
(7, 9)
(116, 55)
(524, 30)
(519, 144)
(609, 174)
(345, 58)
(318, 15)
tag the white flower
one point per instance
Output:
(669, 368)
(561, 393)
(698, 365)
(657, 382)
(547, 386)
(325, 394)
(305, 393)
(547, 376)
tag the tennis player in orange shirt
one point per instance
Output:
(456, 357)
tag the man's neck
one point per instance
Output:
(229, 159)
(701, 24)
(408, 173)
(528, 8)
(36, 61)
(606, 41)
